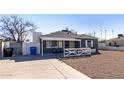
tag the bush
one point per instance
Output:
(102, 41)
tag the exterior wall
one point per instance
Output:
(36, 36)
(26, 48)
(95, 44)
(93, 51)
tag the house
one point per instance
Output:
(67, 43)
(63, 43)
(117, 42)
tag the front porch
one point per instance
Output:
(63, 47)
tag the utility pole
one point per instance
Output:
(94, 33)
(112, 33)
(101, 33)
(105, 34)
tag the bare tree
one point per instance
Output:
(15, 27)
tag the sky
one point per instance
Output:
(80, 23)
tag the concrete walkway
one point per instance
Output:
(38, 69)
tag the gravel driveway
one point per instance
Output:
(107, 65)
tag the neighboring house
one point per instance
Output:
(117, 42)
(58, 42)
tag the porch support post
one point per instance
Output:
(63, 45)
(42, 47)
(80, 43)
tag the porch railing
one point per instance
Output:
(76, 52)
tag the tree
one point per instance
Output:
(15, 27)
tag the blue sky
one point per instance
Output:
(82, 23)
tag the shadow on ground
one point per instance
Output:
(29, 58)
(39, 57)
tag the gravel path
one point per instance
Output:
(107, 65)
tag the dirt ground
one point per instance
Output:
(107, 65)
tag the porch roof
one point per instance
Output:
(59, 39)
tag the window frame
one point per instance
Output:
(91, 43)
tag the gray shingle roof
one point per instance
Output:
(87, 36)
(64, 34)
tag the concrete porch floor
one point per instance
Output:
(38, 69)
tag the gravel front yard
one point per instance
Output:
(107, 65)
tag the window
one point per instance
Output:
(48, 44)
(89, 43)
(54, 44)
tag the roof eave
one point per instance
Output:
(59, 39)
